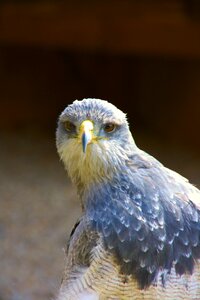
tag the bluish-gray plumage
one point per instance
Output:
(143, 227)
(146, 215)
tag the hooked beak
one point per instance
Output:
(86, 133)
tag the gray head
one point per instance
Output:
(93, 140)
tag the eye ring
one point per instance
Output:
(109, 127)
(69, 126)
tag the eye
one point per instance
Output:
(109, 127)
(69, 126)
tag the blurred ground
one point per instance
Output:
(39, 207)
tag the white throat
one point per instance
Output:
(98, 163)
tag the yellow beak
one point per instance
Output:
(86, 133)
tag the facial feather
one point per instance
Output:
(96, 164)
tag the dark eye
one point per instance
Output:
(109, 127)
(70, 127)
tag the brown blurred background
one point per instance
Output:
(144, 58)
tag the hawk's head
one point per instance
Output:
(93, 140)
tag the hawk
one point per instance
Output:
(139, 233)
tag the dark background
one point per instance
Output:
(144, 58)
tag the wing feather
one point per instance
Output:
(149, 218)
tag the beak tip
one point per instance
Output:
(85, 141)
(84, 149)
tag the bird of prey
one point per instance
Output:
(139, 233)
